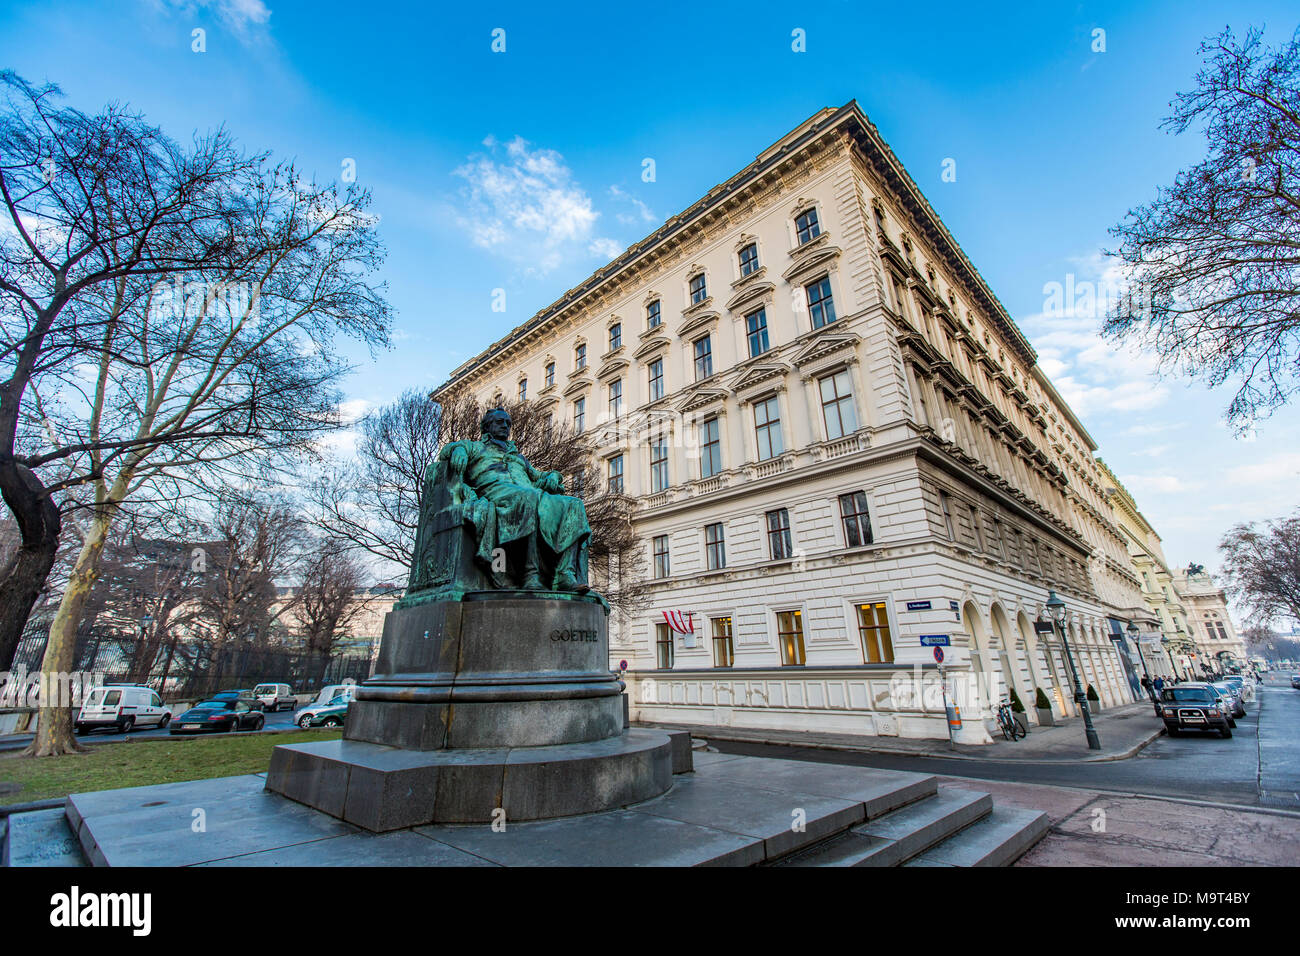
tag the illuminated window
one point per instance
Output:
(789, 632)
(724, 651)
(873, 628)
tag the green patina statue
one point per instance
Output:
(489, 520)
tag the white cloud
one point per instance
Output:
(523, 203)
(1160, 484)
(242, 16)
(1280, 468)
(353, 409)
(606, 248)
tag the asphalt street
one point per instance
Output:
(1258, 767)
(278, 721)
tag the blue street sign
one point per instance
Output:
(918, 605)
(935, 640)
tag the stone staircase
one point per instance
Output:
(946, 826)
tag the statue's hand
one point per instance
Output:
(553, 483)
(458, 458)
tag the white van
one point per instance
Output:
(275, 697)
(124, 706)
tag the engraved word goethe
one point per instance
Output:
(584, 635)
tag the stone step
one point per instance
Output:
(898, 836)
(40, 838)
(999, 839)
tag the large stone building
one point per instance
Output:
(1218, 645)
(839, 443)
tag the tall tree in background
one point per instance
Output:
(1213, 262)
(328, 600)
(86, 203)
(150, 387)
(1261, 568)
(372, 502)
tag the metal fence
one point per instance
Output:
(191, 670)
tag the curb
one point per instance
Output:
(172, 738)
(51, 803)
(937, 755)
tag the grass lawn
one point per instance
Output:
(137, 764)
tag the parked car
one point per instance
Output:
(1228, 699)
(1295, 681)
(242, 693)
(1193, 706)
(1238, 696)
(122, 706)
(219, 715)
(330, 691)
(275, 697)
(332, 715)
(345, 695)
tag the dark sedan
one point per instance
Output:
(218, 715)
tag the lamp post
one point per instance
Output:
(1056, 608)
(1164, 642)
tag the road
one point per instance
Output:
(278, 721)
(1258, 767)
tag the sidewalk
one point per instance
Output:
(1123, 732)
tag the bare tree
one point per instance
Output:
(255, 543)
(157, 385)
(1261, 568)
(1213, 262)
(327, 600)
(372, 503)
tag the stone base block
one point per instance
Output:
(483, 724)
(384, 788)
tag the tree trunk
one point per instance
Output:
(24, 575)
(54, 735)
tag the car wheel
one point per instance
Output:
(1225, 732)
(331, 722)
(167, 719)
(234, 725)
(127, 725)
(304, 722)
(259, 723)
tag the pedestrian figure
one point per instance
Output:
(1160, 685)
(1146, 686)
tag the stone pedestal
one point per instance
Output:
(500, 703)
(498, 669)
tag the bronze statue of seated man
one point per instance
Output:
(518, 510)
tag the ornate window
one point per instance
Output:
(660, 552)
(616, 336)
(703, 358)
(821, 305)
(659, 465)
(710, 447)
(778, 534)
(550, 374)
(614, 475)
(749, 259)
(653, 315)
(616, 398)
(806, 227)
(837, 405)
(523, 389)
(715, 549)
(789, 634)
(767, 428)
(756, 332)
(656, 379)
(698, 290)
(663, 647)
(856, 521)
(724, 650)
(873, 629)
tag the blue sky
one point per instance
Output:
(521, 170)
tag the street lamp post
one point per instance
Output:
(1056, 608)
(1165, 642)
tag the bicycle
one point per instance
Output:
(1011, 729)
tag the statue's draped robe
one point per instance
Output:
(498, 474)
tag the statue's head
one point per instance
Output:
(496, 423)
